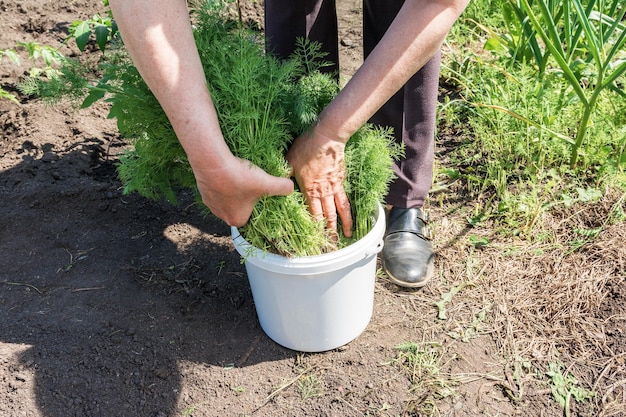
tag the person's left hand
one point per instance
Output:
(318, 166)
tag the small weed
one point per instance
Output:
(516, 373)
(220, 267)
(473, 330)
(478, 242)
(447, 298)
(309, 387)
(288, 383)
(36, 52)
(422, 364)
(192, 409)
(565, 386)
(239, 389)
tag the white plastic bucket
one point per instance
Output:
(314, 303)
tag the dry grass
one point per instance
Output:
(558, 300)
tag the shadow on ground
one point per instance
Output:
(104, 297)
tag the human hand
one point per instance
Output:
(231, 190)
(318, 166)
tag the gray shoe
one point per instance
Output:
(407, 254)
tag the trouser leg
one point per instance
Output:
(411, 112)
(287, 20)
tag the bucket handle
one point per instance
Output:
(375, 251)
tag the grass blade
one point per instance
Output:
(557, 52)
(592, 36)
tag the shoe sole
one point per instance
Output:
(430, 271)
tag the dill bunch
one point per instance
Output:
(262, 104)
(369, 156)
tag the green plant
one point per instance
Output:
(478, 241)
(473, 329)
(50, 56)
(101, 28)
(516, 40)
(447, 298)
(309, 387)
(422, 363)
(587, 43)
(535, 138)
(565, 387)
(515, 161)
(262, 104)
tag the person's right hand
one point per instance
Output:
(232, 189)
(317, 161)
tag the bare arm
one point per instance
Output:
(159, 38)
(412, 39)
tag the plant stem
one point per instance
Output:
(584, 123)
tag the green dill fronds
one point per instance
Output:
(369, 158)
(309, 56)
(311, 94)
(70, 82)
(262, 104)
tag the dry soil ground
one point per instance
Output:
(112, 305)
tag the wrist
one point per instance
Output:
(329, 129)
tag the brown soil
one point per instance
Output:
(113, 305)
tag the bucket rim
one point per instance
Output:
(366, 247)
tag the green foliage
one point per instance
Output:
(262, 104)
(5, 94)
(588, 48)
(565, 387)
(36, 52)
(538, 130)
(369, 156)
(100, 28)
(50, 56)
(11, 54)
(584, 40)
(311, 94)
(309, 386)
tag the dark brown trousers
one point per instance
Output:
(411, 111)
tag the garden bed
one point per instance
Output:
(114, 305)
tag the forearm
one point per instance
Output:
(413, 38)
(159, 39)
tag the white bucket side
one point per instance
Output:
(315, 303)
(314, 313)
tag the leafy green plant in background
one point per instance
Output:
(100, 27)
(588, 48)
(537, 135)
(584, 39)
(262, 103)
(12, 55)
(50, 56)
